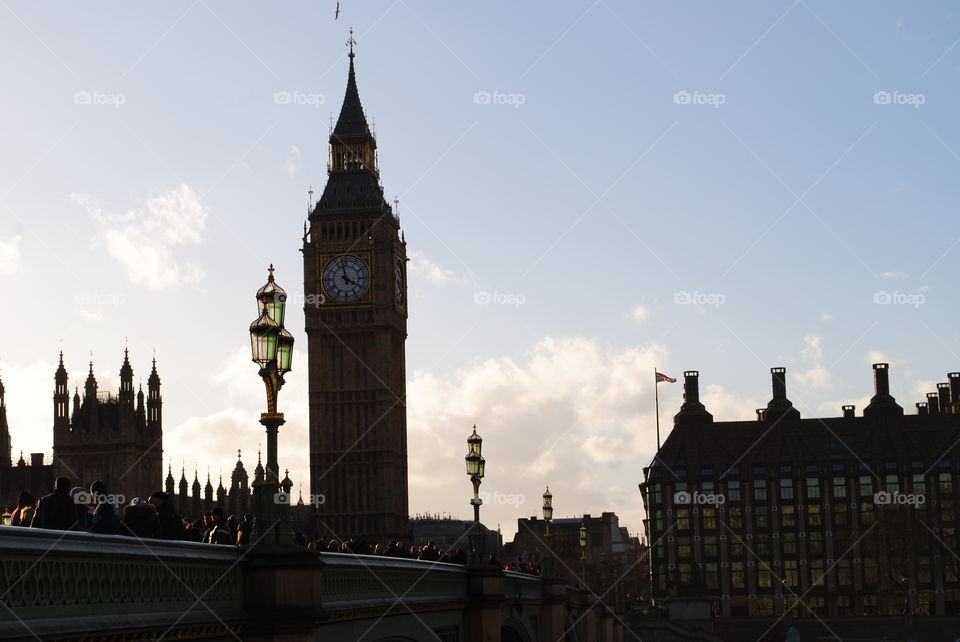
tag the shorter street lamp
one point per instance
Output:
(548, 517)
(583, 553)
(475, 470)
(272, 349)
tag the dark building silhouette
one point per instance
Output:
(857, 514)
(354, 260)
(450, 534)
(616, 562)
(117, 439)
(35, 477)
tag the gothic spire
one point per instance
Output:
(352, 121)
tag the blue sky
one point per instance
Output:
(149, 175)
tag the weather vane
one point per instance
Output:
(351, 42)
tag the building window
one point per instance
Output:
(790, 577)
(786, 489)
(919, 484)
(764, 606)
(893, 484)
(815, 542)
(683, 547)
(817, 576)
(813, 488)
(870, 574)
(763, 545)
(839, 487)
(866, 513)
(840, 516)
(843, 605)
(710, 518)
(788, 517)
(789, 543)
(946, 510)
(712, 576)
(817, 604)
(871, 605)
(733, 491)
(814, 515)
(946, 484)
(844, 573)
(734, 517)
(736, 575)
(760, 490)
(866, 486)
(761, 516)
(683, 519)
(736, 549)
(710, 546)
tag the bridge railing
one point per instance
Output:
(99, 582)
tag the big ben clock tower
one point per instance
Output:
(354, 274)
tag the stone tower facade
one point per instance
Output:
(354, 260)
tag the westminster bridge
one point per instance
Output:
(59, 585)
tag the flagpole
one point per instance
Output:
(656, 397)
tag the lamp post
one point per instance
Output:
(475, 469)
(272, 349)
(548, 517)
(583, 553)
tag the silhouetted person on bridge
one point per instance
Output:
(140, 520)
(56, 510)
(106, 515)
(217, 533)
(25, 499)
(171, 526)
(245, 530)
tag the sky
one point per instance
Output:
(588, 191)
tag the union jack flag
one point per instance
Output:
(663, 377)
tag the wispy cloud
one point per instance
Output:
(10, 256)
(292, 164)
(421, 266)
(146, 241)
(638, 314)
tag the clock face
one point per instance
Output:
(399, 291)
(346, 278)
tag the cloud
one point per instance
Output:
(422, 267)
(825, 316)
(292, 164)
(894, 274)
(145, 241)
(812, 350)
(638, 315)
(10, 256)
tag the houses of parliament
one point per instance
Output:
(114, 437)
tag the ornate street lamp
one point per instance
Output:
(272, 349)
(583, 553)
(548, 517)
(475, 470)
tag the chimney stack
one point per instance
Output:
(933, 403)
(761, 414)
(849, 411)
(779, 405)
(692, 411)
(881, 379)
(954, 378)
(882, 403)
(943, 389)
(922, 408)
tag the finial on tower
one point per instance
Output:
(351, 42)
(270, 271)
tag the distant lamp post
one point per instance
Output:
(583, 553)
(272, 349)
(475, 470)
(548, 517)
